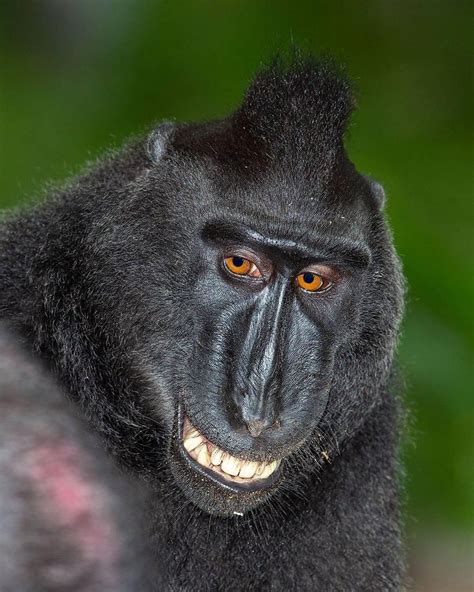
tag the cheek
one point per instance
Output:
(315, 329)
(308, 364)
(163, 398)
(330, 321)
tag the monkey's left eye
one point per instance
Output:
(312, 282)
(241, 266)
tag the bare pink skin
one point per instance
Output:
(58, 474)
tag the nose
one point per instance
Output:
(256, 389)
(256, 426)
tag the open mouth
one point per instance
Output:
(223, 468)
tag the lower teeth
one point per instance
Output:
(211, 457)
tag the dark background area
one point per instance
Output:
(80, 76)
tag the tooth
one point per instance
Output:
(216, 456)
(192, 433)
(248, 470)
(231, 465)
(191, 443)
(269, 469)
(203, 457)
(260, 468)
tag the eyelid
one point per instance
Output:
(262, 263)
(328, 273)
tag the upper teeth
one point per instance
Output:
(210, 456)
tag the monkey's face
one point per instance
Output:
(247, 331)
(269, 314)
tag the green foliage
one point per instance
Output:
(79, 77)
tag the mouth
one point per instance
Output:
(224, 469)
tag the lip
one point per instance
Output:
(231, 486)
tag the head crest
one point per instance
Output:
(298, 107)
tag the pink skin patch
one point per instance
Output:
(72, 501)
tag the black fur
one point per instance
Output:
(112, 282)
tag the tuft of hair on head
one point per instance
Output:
(298, 105)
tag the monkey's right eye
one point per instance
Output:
(241, 266)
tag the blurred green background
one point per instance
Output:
(79, 76)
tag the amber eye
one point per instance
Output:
(312, 282)
(238, 265)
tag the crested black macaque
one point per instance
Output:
(222, 300)
(70, 521)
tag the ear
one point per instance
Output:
(158, 141)
(377, 191)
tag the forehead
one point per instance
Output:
(288, 216)
(293, 208)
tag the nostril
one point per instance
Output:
(257, 426)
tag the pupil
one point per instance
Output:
(238, 261)
(308, 277)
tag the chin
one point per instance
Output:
(213, 479)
